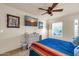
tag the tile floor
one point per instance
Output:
(17, 53)
(21, 53)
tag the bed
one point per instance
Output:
(52, 47)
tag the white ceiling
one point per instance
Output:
(32, 8)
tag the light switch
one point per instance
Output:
(1, 31)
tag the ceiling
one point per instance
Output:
(32, 8)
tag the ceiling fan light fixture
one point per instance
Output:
(51, 9)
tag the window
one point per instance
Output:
(75, 27)
(57, 29)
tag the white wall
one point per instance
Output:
(10, 38)
(68, 29)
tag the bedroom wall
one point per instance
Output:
(68, 29)
(10, 38)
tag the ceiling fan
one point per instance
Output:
(51, 9)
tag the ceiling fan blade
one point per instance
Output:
(57, 10)
(44, 13)
(42, 9)
(54, 5)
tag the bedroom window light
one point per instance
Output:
(57, 29)
(75, 27)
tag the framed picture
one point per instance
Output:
(13, 21)
(31, 21)
(40, 25)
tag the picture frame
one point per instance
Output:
(30, 21)
(40, 25)
(13, 21)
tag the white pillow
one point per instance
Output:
(76, 41)
(76, 51)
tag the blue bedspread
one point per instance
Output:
(59, 45)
